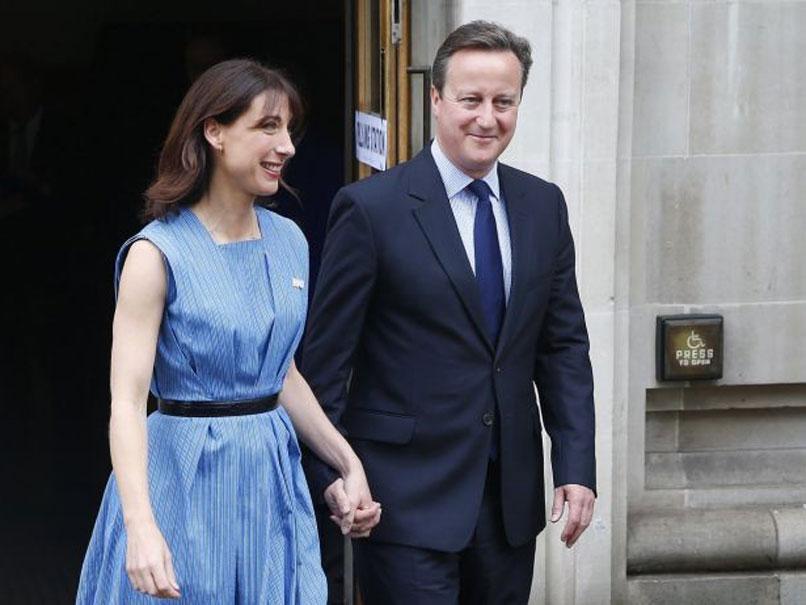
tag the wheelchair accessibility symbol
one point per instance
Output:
(696, 351)
(694, 341)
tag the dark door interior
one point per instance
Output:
(96, 86)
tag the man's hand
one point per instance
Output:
(364, 520)
(351, 505)
(580, 510)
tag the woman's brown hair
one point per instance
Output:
(224, 92)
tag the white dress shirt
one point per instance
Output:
(463, 204)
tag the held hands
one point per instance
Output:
(580, 510)
(351, 505)
(148, 561)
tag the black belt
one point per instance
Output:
(204, 409)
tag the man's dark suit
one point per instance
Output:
(398, 305)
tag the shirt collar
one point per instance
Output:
(454, 179)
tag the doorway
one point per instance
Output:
(105, 80)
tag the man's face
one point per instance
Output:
(477, 111)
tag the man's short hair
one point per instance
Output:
(483, 35)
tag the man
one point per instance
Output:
(446, 292)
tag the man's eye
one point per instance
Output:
(469, 101)
(504, 103)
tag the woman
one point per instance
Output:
(207, 502)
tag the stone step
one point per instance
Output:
(727, 397)
(669, 541)
(735, 429)
(721, 497)
(709, 469)
(772, 588)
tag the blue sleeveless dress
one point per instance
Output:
(228, 494)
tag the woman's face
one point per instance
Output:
(252, 150)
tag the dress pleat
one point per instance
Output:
(228, 494)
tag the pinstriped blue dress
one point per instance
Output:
(228, 493)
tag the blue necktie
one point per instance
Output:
(489, 268)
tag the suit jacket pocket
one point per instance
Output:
(376, 425)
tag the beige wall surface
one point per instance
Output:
(717, 199)
(677, 130)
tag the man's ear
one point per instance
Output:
(214, 133)
(436, 99)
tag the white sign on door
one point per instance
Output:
(370, 139)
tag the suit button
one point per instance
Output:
(487, 418)
(499, 369)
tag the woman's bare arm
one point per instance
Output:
(349, 497)
(141, 301)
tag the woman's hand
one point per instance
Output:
(351, 504)
(148, 561)
(368, 512)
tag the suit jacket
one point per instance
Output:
(398, 356)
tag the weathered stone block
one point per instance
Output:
(701, 540)
(790, 524)
(726, 468)
(660, 124)
(793, 588)
(704, 590)
(748, 77)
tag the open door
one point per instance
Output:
(382, 47)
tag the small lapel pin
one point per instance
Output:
(296, 282)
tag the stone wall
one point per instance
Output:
(717, 215)
(677, 130)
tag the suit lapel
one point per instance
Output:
(439, 226)
(520, 237)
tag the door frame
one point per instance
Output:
(381, 54)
